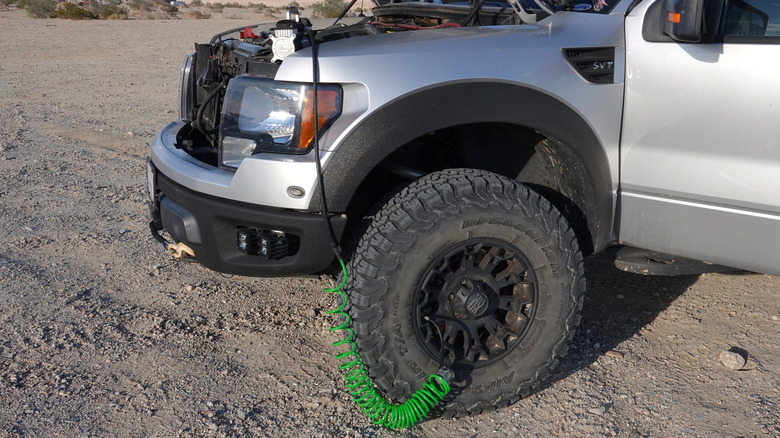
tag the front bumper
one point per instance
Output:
(208, 225)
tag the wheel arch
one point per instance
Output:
(570, 168)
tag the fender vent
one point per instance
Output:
(596, 65)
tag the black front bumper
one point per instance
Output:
(209, 226)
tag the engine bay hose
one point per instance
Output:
(362, 390)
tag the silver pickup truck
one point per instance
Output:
(465, 156)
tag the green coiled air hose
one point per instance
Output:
(362, 390)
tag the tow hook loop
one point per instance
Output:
(181, 252)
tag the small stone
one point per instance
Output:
(775, 318)
(642, 411)
(619, 296)
(188, 288)
(615, 354)
(241, 415)
(212, 426)
(732, 359)
(599, 410)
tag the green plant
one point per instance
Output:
(107, 10)
(40, 8)
(141, 5)
(120, 15)
(195, 3)
(7, 3)
(327, 8)
(70, 11)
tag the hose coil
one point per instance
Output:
(362, 390)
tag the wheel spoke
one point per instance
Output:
(511, 273)
(481, 296)
(488, 260)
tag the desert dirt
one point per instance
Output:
(103, 334)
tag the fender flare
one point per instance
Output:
(452, 104)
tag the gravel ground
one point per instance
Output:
(101, 334)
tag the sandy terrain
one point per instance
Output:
(101, 334)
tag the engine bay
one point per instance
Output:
(259, 50)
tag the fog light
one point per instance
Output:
(269, 244)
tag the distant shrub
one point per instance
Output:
(40, 8)
(169, 8)
(294, 4)
(6, 3)
(198, 15)
(195, 3)
(108, 10)
(266, 13)
(69, 11)
(327, 8)
(140, 5)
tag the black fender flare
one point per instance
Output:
(451, 104)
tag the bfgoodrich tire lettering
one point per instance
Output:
(491, 263)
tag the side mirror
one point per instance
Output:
(683, 19)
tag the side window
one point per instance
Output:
(751, 18)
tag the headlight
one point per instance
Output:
(261, 115)
(187, 88)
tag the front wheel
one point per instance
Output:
(470, 270)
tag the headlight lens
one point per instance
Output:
(261, 115)
(187, 88)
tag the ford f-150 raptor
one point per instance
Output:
(466, 156)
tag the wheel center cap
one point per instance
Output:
(476, 303)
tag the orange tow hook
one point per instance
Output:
(181, 251)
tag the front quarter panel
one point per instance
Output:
(512, 74)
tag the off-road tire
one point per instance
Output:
(457, 216)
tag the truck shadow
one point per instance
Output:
(617, 305)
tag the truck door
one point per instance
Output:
(700, 150)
